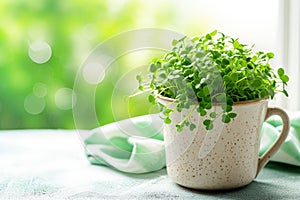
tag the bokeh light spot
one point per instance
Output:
(63, 98)
(93, 73)
(39, 52)
(40, 89)
(34, 105)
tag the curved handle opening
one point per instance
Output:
(263, 160)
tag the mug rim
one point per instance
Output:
(234, 103)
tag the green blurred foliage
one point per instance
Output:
(72, 28)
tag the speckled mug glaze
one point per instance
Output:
(226, 157)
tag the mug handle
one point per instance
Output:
(262, 161)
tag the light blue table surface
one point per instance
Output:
(51, 164)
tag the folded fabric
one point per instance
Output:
(289, 152)
(136, 145)
(133, 145)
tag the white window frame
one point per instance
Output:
(289, 53)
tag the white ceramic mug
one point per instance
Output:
(226, 157)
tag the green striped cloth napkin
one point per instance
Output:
(136, 145)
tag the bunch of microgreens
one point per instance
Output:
(201, 72)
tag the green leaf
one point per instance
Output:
(224, 106)
(200, 94)
(179, 127)
(280, 72)
(208, 106)
(254, 58)
(167, 120)
(187, 123)
(232, 115)
(256, 83)
(174, 42)
(179, 108)
(221, 97)
(162, 75)
(160, 107)
(195, 39)
(225, 62)
(192, 126)
(263, 94)
(151, 99)
(152, 67)
(285, 93)
(270, 55)
(226, 78)
(168, 111)
(206, 91)
(207, 122)
(284, 78)
(250, 86)
(213, 115)
(214, 33)
(202, 112)
(172, 60)
(139, 78)
(229, 101)
(234, 76)
(228, 108)
(210, 127)
(208, 36)
(225, 119)
(236, 44)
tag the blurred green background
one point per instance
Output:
(43, 43)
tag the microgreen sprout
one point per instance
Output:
(200, 72)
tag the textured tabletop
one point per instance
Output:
(51, 164)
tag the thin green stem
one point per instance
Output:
(189, 114)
